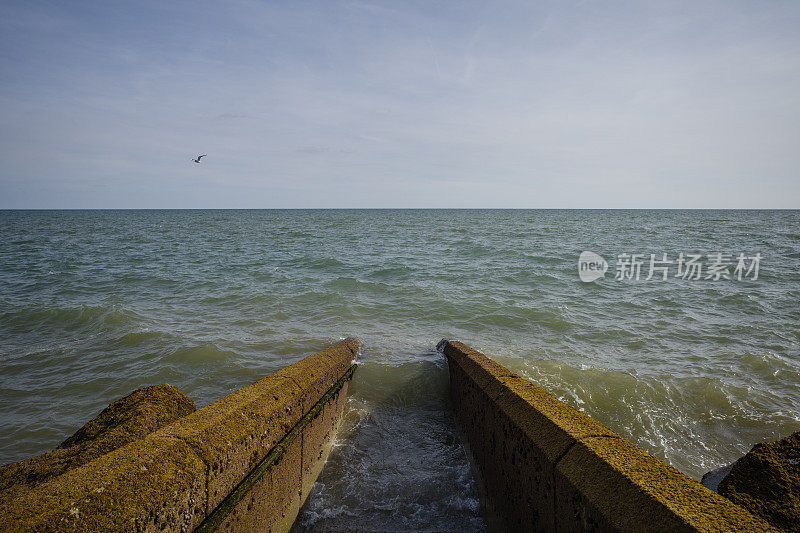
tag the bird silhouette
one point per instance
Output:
(198, 158)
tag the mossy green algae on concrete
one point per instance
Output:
(549, 467)
(171, 479)
(280, 490)
(127, 419)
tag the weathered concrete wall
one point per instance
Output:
(127, 419)
(174, 478)
(549, 467)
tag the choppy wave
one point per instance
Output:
(95, 304)
(95, 318)
(686, 420)
(406, 468)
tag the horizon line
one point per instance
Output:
(399, 208)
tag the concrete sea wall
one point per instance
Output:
(548, 467)
(243, 463)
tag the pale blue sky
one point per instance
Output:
(400, 104)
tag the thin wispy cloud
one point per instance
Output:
(510, 104)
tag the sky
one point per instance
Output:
(350, 104)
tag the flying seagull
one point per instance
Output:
(198, 158)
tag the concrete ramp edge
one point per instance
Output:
(174, 478)
(548, 467)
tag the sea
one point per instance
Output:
(687, 343)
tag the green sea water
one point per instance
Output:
(94, 304)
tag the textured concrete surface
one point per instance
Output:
(173, 478)
(766, 481)
(284, 487)
(548, 467)
(128, 419)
